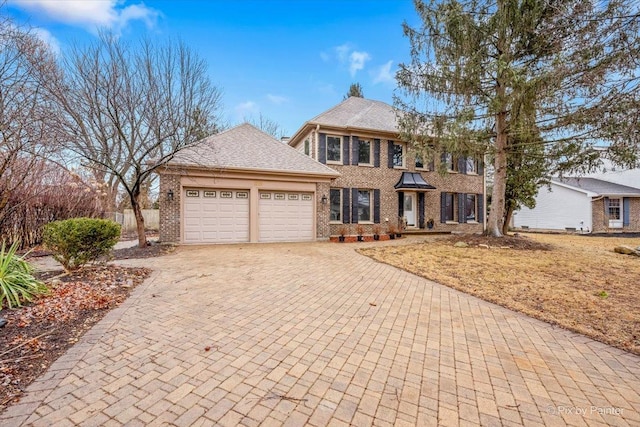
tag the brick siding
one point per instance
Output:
(601, 219)
(169, 209)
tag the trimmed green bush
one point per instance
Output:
(17, 283)
(75, 242)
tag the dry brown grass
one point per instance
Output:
(579, 283)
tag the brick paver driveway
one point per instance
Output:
(315, 334)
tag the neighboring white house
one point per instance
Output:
(616, 174)
(585, 204)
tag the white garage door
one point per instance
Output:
(285, 217)
(216, 216)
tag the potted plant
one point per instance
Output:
(391, 230)
(430, 223)
(376, 232)
(360, 232)
(342, 231)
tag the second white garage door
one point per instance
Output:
(285, 217)
(216, 216)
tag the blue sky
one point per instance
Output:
(288, 60)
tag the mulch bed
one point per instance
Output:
(516, 241)
(40, 332)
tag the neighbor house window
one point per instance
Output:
(307, 147)
(470, 207)
(449, 208)
(364, 205)
(614, 209)
(398, 155)
(335, 201)
(364, 152)
(334, 149)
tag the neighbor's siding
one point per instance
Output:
(557, 210)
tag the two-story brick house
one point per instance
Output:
(382, 181)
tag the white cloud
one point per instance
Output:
(342, 52)
(48, 39)
(277, 99)
(92, 14)
(325, 56)
(357, 61)
(246, 109)
(384, 74)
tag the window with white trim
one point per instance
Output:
(471, 208)
(335, 203)
(614, 210)
(334, 149)
(398, 155)
(364, 206)
(451, 162)
(364, 152)
(471, 165)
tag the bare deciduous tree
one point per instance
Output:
(129, 108)
(27, 122)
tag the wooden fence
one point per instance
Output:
(151, 219)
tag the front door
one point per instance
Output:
(410, 209)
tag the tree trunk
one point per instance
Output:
(137, 211)
(507, 220)
(497, 213)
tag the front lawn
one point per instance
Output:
(573, 281)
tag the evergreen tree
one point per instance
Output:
(354, 90)
(522, 78)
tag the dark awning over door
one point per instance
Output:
(413, 181)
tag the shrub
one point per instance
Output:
(75, 242)
(16, 279)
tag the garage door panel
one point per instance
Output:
(285, 217)
(209, 219)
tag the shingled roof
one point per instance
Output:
(359, 113)
(599, 186)
(246, 147)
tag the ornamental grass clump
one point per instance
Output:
(75, 242)
(17, 284)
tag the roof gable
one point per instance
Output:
(247, 147)
(598, 186)
(360, 113)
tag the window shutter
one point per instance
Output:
(421, 210)
(480, 213)
(390, 154)
(462, 164)
(354, 206)
(376, 206)
(606, 209)
(376, 153)
(400, 204)
(480, 165)
(443, 207)
(322, 148)
(355, 147)
(345, 150)
(432, 165)
(625, 212)
(346, 207)
(461, 209)
(443, 159)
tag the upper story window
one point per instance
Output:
(472, 165)
(335, 203)
(307, 147)
(451, 162)
(364, 152)
(398, 155)
(334, 149)
(419, 162)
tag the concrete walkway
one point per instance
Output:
(315, 334)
